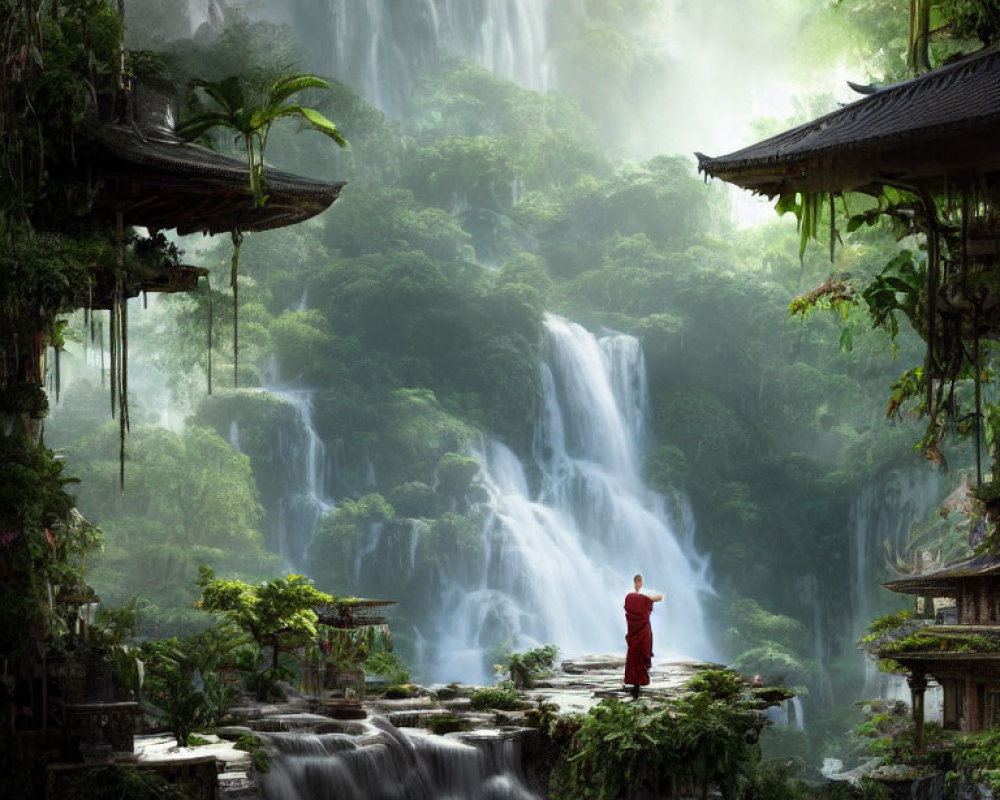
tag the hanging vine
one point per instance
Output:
(943, 292)
(249, 109)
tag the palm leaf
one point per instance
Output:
(286, 86)
(201, 124)
(227, 93)
(320, 123)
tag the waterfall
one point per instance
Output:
(386, 763)
(558, 563)
(880, 520)
(300, 508)
(384, 49)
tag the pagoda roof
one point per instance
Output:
(159, 181)
(945, 582)
(354, 612)
(941, 126)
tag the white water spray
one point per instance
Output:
(299, 513)
(386, 763)
(558, 564)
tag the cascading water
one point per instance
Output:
(557, 563)
(300, 510)
(880, 521)
(386, 763)
(383, 49)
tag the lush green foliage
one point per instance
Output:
(750, 623)
(888, 622)
(191, 500)
(279, 613)
(497, 697)
(46, 543)
(181, 690)
(678, 746)
(938, 642)
(718, 684)
(525, 668)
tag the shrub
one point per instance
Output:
(526, 668)
(503, 699)
(718, 684)
(680, 746)
(388, 665)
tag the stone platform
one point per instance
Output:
(579, 684)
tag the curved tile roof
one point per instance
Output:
(947, 580)
(943, 124)
(160, 181)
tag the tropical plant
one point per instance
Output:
(171, 693)
(249, 109)
(279, 614)
(525, 668)
(681, 747)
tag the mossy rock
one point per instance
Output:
(441, 724)
(772, 695)
(400, 692)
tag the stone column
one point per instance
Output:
(918, 685)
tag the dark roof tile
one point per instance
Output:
(945, 121)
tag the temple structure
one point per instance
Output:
(935, 132)
(935, 141)
(332, 668)
(960, 649)
(147, 177)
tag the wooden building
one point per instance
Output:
(962, 654)
(936, 132)
(144, 176)
(935, 141)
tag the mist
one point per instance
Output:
(409, 426)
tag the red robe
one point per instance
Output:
(639, 639)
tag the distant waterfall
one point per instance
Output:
(300, 500)
(387, 763)
(880, 518)
(384, 48)
(558, 564)
(880, 522)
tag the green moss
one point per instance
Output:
(925, 641)
(400, 692)
(445, 723)
(251, 744)
(502, 699)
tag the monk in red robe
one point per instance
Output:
(638, 606)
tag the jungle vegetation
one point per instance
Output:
(414, 310)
